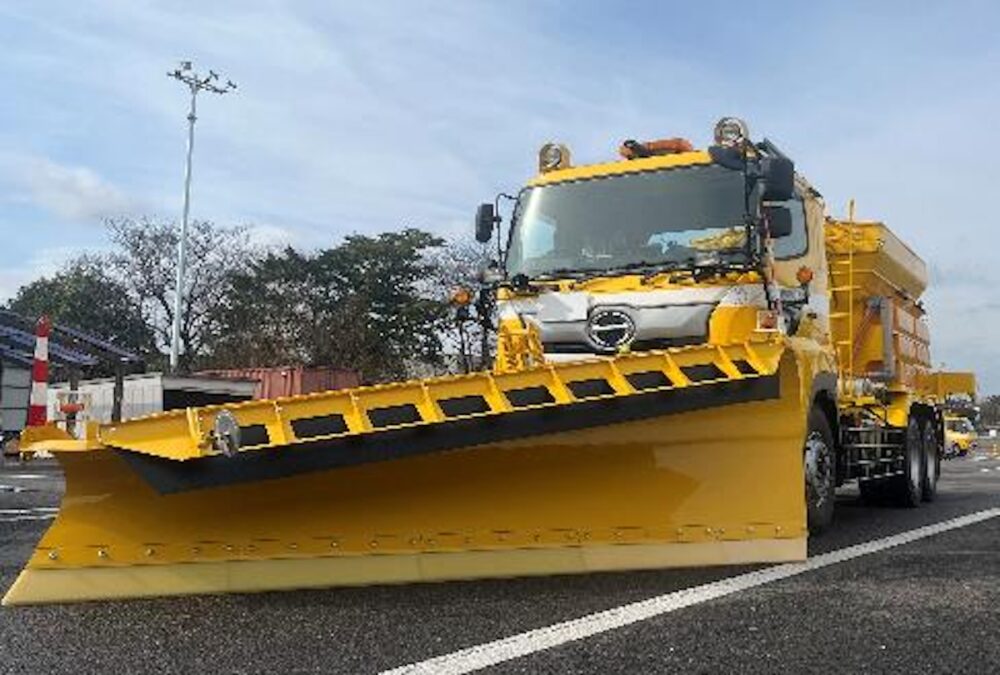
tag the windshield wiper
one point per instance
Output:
(645, 267)
(665, 265)
(577, 274)
(705, 270)
(560, 273)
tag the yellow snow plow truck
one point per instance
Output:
(691, 357)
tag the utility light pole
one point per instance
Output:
(196, 83)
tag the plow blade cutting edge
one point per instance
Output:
(691, 456)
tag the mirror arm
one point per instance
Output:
(752, 206)
(758, 223)
(771, 149)
(498, 220)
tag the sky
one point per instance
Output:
(371, 116)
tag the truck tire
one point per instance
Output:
(930, 468)
(820, 468)
(906, 487)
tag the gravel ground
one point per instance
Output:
(929, 606)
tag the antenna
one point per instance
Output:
(196, 83)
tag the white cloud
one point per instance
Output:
(266, 235)
(44, 262)
(70, 192)
(75, 193)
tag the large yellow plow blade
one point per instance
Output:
(691, 457)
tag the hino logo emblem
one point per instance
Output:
(609, 329)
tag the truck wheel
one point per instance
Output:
(906, 487)
(820, 472)
(931, 466)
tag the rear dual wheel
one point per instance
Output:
(921, 464)
(906, 488)
(931, 466)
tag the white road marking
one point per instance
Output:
(17, 519)
(28, 476)
(30, 513)
(533, 641)
(29, 510)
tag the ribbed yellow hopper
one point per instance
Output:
(691, 456)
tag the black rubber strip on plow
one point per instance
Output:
(170, 476)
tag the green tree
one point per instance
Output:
(989, 410)
(386, 293)
(273, 314)
(369, 303)
(85, 295)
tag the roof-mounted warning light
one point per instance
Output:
(553, 156)
(731, 132)
(631, 149)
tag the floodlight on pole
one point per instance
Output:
(186, 74)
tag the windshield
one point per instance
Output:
(960, 426)
(681, 217)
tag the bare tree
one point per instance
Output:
(145, 260)
(459, 265)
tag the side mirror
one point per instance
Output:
(779, 178)
(486, 219)
(779, 221)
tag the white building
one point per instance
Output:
(149, 393)
(15, 387)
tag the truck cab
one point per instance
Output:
(669, 246)
(959, 436)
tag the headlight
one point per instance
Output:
(731, 131)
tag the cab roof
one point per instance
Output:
(624, 166)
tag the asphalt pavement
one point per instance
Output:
(932, 605)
